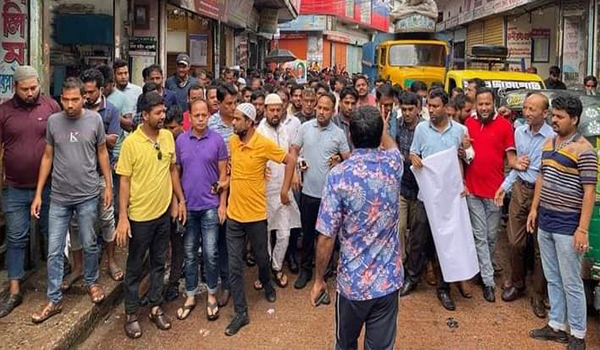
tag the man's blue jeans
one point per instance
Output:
(562, 268)
(59, 218)
(16, 204)
(202, 226)
(485, 219)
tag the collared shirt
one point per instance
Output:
(318, 144)
(428, 140)
(554, 84)
(404, 139)
(304, 118)
(292, 123)
(181, 90)
(247, 192)
(23, 135)
(343, 124)
(530, 145)
(132, 92)
(169, 100)
(121, 103)
(216, 124)
(199, 159)
(111, 121)
(151, 187)
(485, 174)
(360, 205)
(371, 101)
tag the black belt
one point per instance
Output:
(529, 185)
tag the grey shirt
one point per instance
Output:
(75, 176)
(318, 145)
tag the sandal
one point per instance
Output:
(280, 278)
(115, 273)
(96, 293)
(185, 311)
(68, 282)
(212, 308)
(161, 320)
(258, 285)
(132, 327)
(48, 311)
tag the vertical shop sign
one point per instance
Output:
(14, 43)
(572, 58)
(199, 49)
(518, 41)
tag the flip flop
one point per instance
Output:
(186, 310)
(68, 282)
(213, 308)
(258, 285)
(280, 278)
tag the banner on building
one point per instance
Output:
(239, 12)
(573, 60)
(14, 43)
(268, 21)
(299, 68)
(518, 42)
(315, 49)
(216, 9)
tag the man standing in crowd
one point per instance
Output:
(148, 180)
(281, 218)
(361, 84)
(471, 91)
(75, 146)
(113, 95)
(93, 82)
(195, 92)
(529, 140)
(288, 120)
(562, 207)
(296, 99)
(385, 103)
(221, 122)
(309, 102)
(437, 135)
(202, 161)
(131, 91)
(258, 100)
(247, 208)
(246, 95)
(493, 141)
(553, 82)
(320, 140)
(367, 227)
(22, 129)
(155, 75)
(347, 104)
(181, 81)
(590, 83)
(213, 101)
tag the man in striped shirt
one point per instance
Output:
(562, 206)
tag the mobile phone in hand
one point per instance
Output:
(323, 298)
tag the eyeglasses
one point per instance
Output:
(156, 146)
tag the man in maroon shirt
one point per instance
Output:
(22, 133)
(493, 140)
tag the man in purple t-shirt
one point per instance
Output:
(202, 162)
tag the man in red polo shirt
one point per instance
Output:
(493, 139)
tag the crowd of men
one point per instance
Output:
(222, 174)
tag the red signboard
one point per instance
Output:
(13, 51)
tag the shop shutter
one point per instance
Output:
(474, 35)
(340, 54)
(493, 33)
(299, 47)
(353, 59)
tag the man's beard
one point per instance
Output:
(274, 122)
(29, 102)
(485, 120)
(241, 133)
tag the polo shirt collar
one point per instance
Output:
(340, 117)
(316, 124)
(250, 143)
(17, 103)
(450, 124)
(193, 136)
(103, 104)
(545, 130)
(476, 116)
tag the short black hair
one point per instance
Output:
(145, 73)
(330, 96)
(295, 87)
(452, 104)
(72, 83)
(570, 104)
(119, 63)
(478, 83)
(212, 87)
(417, 86)
(322, 85)
(256, 94)
(349, 91)
(154, 68)
(458, 90)
(107, 73)
(283, 91)
(435, 93)
(150, 100)
(554, 70)
(460, 101)
(485, 90)
(149, 87)
(437, 84)
(94, 75)
(409, 98)
(359, 77)
(174, 114)
(194, 86)
(384, 90)
(380, 80)
(224, 90)
(366, 127)
(590, 78)
(246, 89)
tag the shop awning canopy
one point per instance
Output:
(280, 56)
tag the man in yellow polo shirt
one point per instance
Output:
(247, 210)
(148, 180)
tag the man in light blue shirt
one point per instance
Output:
(131, 91)
(529, 140)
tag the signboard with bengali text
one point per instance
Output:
(14, 43)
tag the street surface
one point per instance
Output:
(292, 323)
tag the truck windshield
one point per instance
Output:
(417, 55)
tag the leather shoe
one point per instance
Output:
(538, 307)
(488, 294)
(10, 303)
(408, 286)
(239, 321)
(162, 321)
(512, 293)
(303, 279)
(293, 264)
(270, 293)
(446, 300)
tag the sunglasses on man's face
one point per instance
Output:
(156, 146)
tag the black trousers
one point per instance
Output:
(377, 315)
(177, 253)
(236, 234)
(309, 211)
(420, 245)
(149, 235)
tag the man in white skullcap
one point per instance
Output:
(22, 132)
(247, 209)
(280, 218)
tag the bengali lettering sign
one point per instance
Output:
(14, 43)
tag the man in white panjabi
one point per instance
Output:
(281, 218)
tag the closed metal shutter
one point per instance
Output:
(474, 35)
(493, 33)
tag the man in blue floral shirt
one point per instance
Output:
(360, 207)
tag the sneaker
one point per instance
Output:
(547, 333)
(576, 343)
(239, 321)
